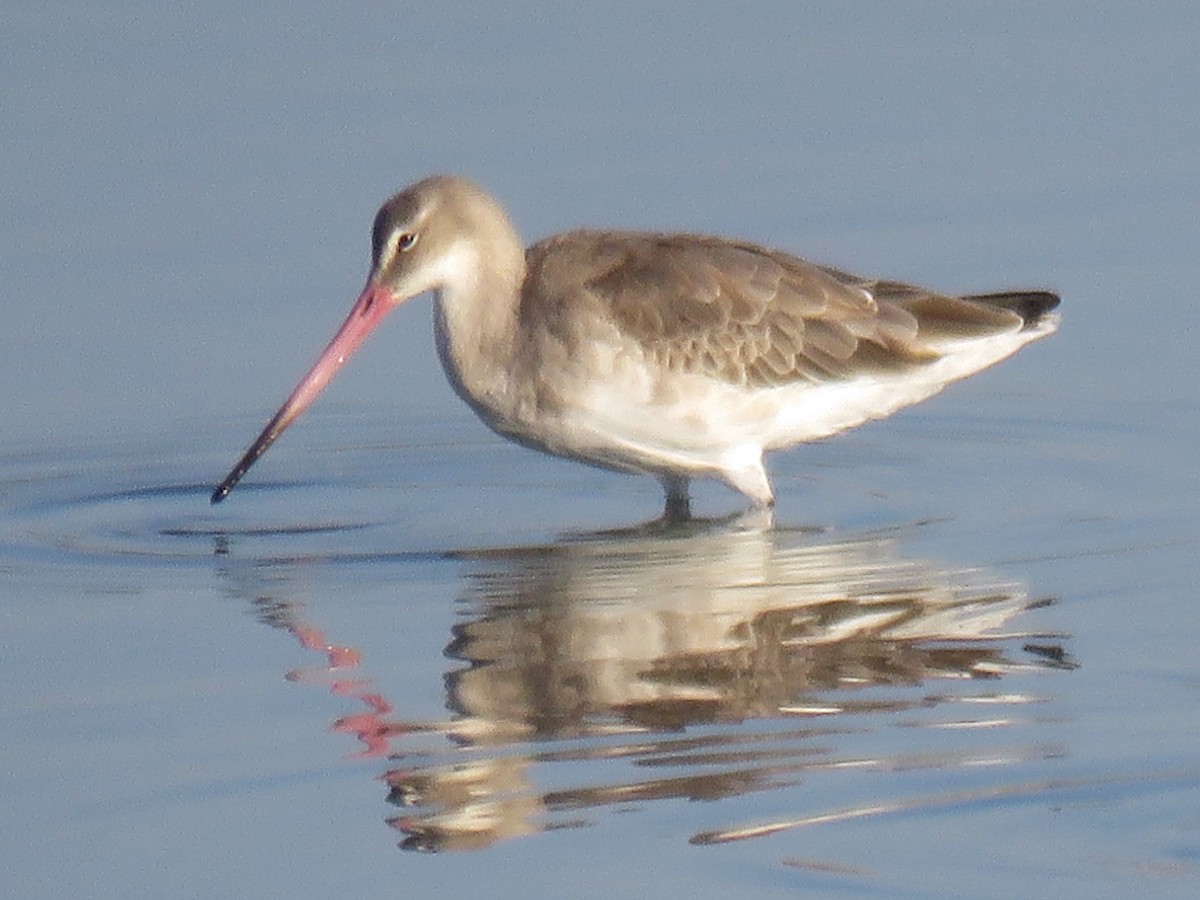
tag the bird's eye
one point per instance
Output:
(406, 241)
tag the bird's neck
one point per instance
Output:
(476, 327)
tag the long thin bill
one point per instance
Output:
(368, 311)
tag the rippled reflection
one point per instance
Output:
(612, 670)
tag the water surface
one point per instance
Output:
(405, 656)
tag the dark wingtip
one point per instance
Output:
(218, 495)
(1029, 305)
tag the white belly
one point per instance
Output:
(620, 411)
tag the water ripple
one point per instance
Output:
(615, 671)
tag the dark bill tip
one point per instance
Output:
(235, 474)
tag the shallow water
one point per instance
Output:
(405, 656)
(334, 663)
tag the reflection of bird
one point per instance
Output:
(674, 355)
(725, 625)
(610, 646)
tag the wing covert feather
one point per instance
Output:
(744, 313)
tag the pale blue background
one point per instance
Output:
(189, 188)
(187, 191)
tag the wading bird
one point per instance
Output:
(674, 355)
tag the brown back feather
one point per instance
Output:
(748, 314)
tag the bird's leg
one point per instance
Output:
(678, 507)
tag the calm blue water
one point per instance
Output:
(961, 663)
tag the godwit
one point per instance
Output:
(675, 355)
